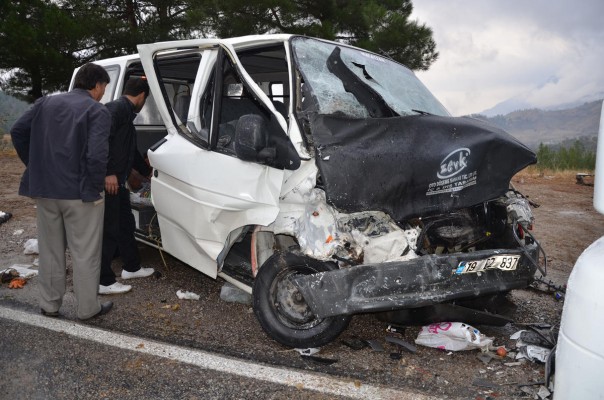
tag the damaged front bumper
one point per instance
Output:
(423, 281)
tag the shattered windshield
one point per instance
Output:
(359, 84)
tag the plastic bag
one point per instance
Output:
(453, 336)
(31, 246)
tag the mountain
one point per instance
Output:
(535, 126)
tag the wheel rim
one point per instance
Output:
(289, 304)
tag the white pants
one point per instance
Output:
(79, 226)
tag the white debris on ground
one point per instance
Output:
(184, 295)
(24, 270)
(31, 246)
(5, 216)
(308, 352)
(529, 351)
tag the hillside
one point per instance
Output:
(536, 126)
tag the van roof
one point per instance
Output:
(237, 42)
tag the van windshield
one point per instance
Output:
(350, 82)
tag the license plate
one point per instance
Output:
(503, 262)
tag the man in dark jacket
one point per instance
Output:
(62, 140)
(119, 226)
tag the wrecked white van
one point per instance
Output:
(324, 179)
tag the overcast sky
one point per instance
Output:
(548, 51)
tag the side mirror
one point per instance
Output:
(251, 139)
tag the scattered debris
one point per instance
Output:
(535, 345)
(375, 345)
(533, 353)
(21, 270)
(395, 329)
(533, 337)
(485, 357)
(308, 352)
(18, 232)
(187, 295)
(5, 216)
(581, 179)
(404, 345)
(453, 336)
(513, 364)
(31, 246)
(233, 294)
(8, 275)
(543, 392)
(547, 286)
(17, 283)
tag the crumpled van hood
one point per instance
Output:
(415, 165)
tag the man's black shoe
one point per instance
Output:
(52, 314)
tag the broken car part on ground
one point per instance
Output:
(325, 180)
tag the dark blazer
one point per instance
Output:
(63, 141)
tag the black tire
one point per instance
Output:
(281, 309)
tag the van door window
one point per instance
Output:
(238, 100)
(114, 74)
(176, 74)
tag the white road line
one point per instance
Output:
(282, 376)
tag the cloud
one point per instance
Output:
(548, 52)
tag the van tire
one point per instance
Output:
(282, 311)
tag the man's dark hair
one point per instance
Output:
(135, 86)
(89, 75)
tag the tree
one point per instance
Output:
(381, 26)
(575, 156)
(37, 41)
(42, 41)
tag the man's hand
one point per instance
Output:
(111, 184)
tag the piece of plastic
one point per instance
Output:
(453, 336)
(233, 294)
(184, 295)
(31, 246)
(309, 351)
(533, 353)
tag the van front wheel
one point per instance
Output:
(281, 308)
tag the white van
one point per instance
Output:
(324, 179)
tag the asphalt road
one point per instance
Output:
(46, 358)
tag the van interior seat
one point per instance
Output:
(234, 108)
(181, 105)
(281, 108)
